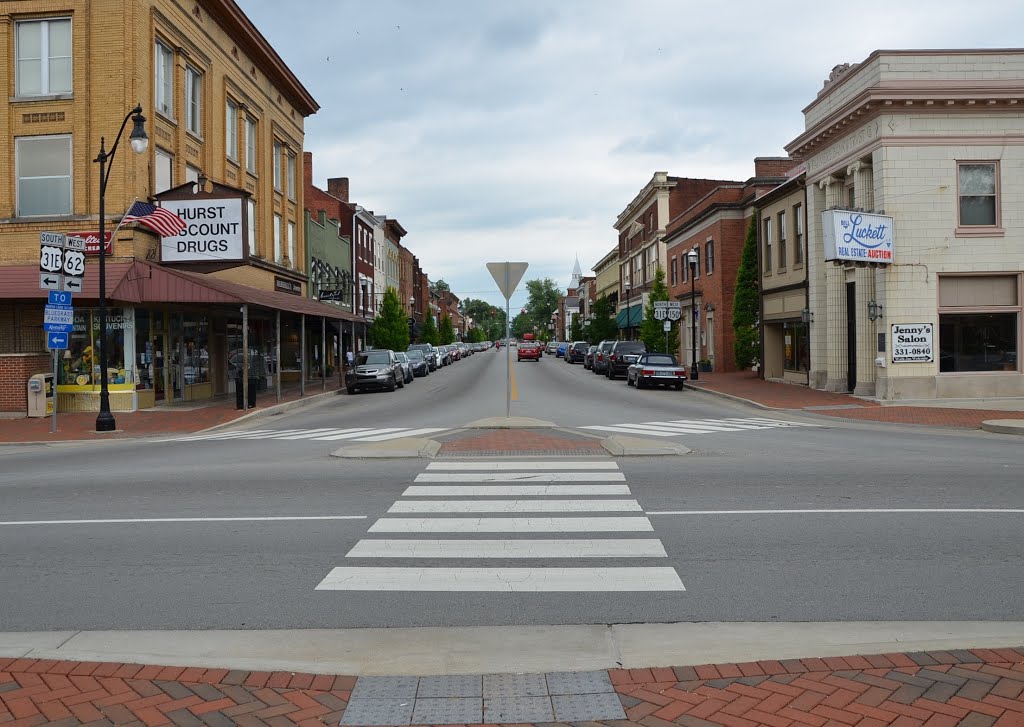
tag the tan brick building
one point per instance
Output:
(222, 110)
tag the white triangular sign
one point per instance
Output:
(507, 276)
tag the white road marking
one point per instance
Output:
(520, 477)
(356, 433)
(220, 435)
(632, 430)
(709, 427)
(511, 525)
(323, 432)
(133, 521)
(512, 490)
(399, 435)
(502, 579)
(589, 548)
(458, 506)
(852, 511)
(523, 466)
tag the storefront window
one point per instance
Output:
(798, 346)
(978, 342)
(81, 362)
(196, 349)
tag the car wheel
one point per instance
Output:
(400, 382)
(353, 390)
(678, 387)
(640, 383)
(629, 381)
(610, 374)
(394, 383)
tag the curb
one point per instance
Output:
(409, 448)
(620, 446)
(1004, 426)
(732, 397)
(260, 413)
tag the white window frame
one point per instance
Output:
(709, 257)
(783, 252)
(291, 243)
(70, 177)
(44, 59)
(251, 144)
(798, 223)
(158, 154)
(194, 101)
(766, 233)
(251, 224)
(192, 174)
(277, 238)
(231, 130)
(997, 211)
(163, 86)
(277, 164)
(291, 175)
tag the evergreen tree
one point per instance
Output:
(745, 306)
(603, 327)
(446, 333)
(429, 332)
(391, 327)
(652, 331)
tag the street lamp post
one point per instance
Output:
(629, 314)
(412, 317)
(691, 257)
(140, 142)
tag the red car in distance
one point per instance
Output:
(529, 350)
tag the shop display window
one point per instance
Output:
(80, 364)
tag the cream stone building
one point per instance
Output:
(915, 225)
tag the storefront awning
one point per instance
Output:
(143, 282)
(632, 316)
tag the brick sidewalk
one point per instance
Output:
(976, 688)
(775, 395)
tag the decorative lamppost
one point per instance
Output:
(691, 257)
(629, 314)
(140, 142)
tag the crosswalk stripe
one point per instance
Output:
(458, 506)
(502, 579)
(220, 435)
(622, 429)
(297, 433)
(512, 490)
(569, 548)
(399, 435)
(310, 434)
(666, 427)
(524, 466)
(511, 525)
(774, 422)
(717, 426)
(354, 434)
(738, 424)
(520, 477)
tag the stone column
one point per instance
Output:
(835, 307)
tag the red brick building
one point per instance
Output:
(714, 226)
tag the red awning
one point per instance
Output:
(142, 282)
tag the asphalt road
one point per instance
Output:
(221, 555)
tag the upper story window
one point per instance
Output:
(164, 84)
(798, 226)
(696, 263)
(250, 145)
(191, 174)
(978, 187)
(277, 238)
(231, 128)
(851, 196)
(766, 234)
(277, 165)
(164, 170)
(782, 240)
(709, 256)
(675, 271)
(251, 224)
(291, 243)
(291, 176)
(43, 165)
(194, 101)
(43, 57)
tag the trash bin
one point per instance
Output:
(238, 393)
(40, 395)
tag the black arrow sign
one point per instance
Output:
(49, 281)
(73, 283)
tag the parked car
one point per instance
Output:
(576, 352)
(376, 369)
(418, 362)
(428, 352)
(552, 347)
(656, 369)
(560, 351)
(600, 365)
(529, 350)
(622, 354)
(588, 357)
(406, 364)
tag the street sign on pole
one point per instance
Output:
(61, 298)
(507, 275)
(667, 326)
(57, 341)
(59, 314)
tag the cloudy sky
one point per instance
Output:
(519, 130)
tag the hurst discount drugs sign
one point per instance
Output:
(214, 231)
(857, 236)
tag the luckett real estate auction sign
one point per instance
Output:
(857, 236)
(213, 231)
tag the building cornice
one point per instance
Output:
(918, 97)
(660, 181)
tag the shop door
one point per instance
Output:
(177, 359)
(159, 367)
(851, 336)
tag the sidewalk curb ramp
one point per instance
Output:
(733, 397)
(410, 447)
(1004, 426)
(509, 423)
(622, 446)
(273, 409)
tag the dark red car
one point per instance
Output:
(529, 350)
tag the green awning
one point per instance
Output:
(630, 317)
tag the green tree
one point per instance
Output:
(603, 327)
(391, 327)
(440, 286)
(576, 329)
(520, 324)
(488, 317)
(542, 302)
(446, 333)
(428, 333)
(747, 348)
(652, 331)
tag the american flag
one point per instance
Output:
(163, 222)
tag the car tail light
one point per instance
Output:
(612, 357)
(680, 373)
(647, 372)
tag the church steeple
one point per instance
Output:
(577, 274)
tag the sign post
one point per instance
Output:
(507, 275)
